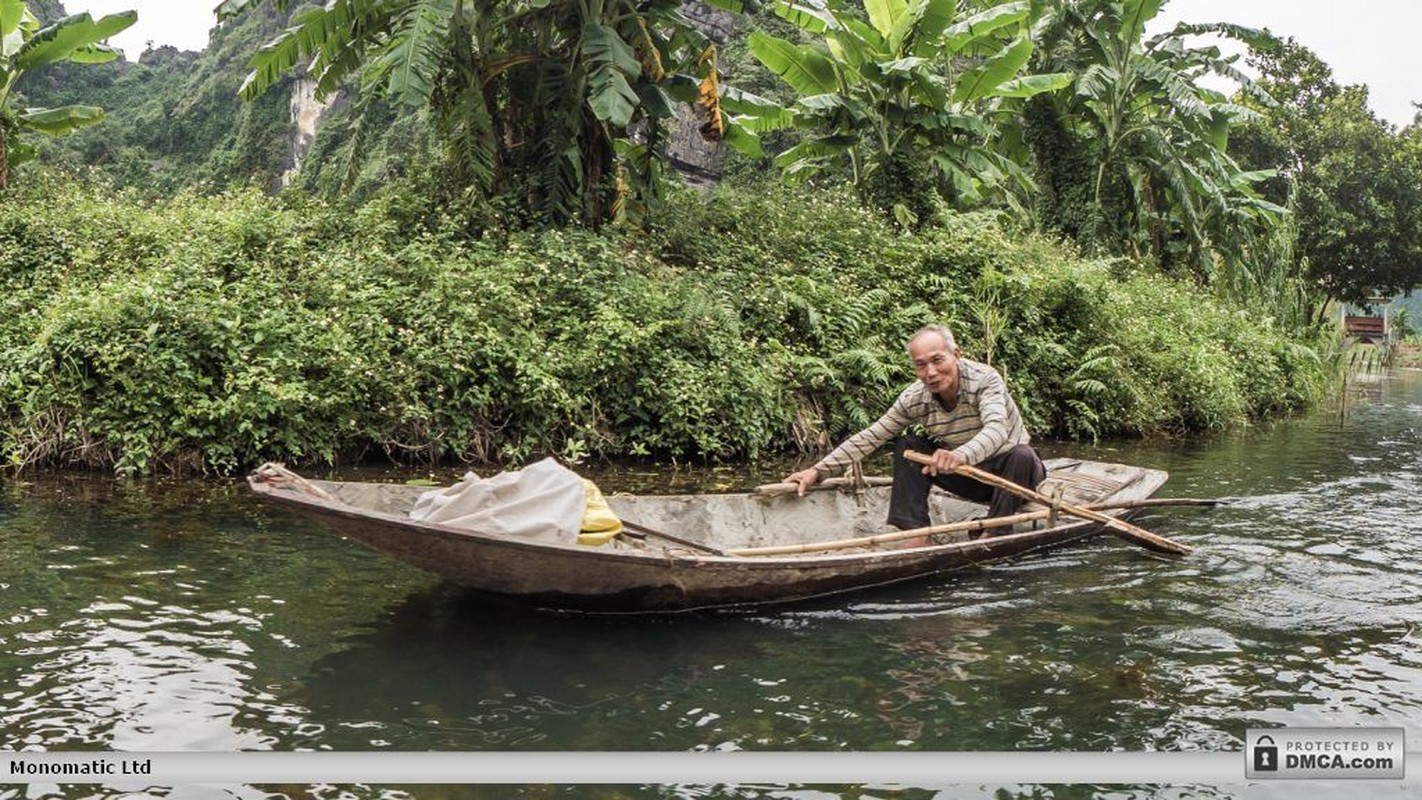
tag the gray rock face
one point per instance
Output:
(695, 158)
(306, 113)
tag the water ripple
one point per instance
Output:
(183, 620)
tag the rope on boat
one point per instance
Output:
(858, 484)
(279, 476)
(1056, 507)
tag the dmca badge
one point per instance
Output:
(1332, 753)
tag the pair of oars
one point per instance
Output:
(1123, 529)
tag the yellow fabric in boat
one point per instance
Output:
(600, 525)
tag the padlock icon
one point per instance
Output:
(1266, 757)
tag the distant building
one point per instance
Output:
(1370, 322)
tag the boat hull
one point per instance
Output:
(666, 579)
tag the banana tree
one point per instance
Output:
(916, 93)
(26, 45)
(554, 104)
(1161, 179)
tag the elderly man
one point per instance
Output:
(969, 417)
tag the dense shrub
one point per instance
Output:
(215, 332)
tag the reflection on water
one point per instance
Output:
(184, 616)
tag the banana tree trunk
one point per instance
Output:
(4, 156)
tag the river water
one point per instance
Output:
(183, 615)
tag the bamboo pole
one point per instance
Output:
(1120, 527)
(892, 536)
(953, 527)
(828, 483)
(1157, 502)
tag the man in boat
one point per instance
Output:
(970, 418)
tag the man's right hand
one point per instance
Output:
(803, 480)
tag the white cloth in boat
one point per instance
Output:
(544, 501)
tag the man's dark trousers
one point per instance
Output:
(908, 505)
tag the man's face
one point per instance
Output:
(933, 362)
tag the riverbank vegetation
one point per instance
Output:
(486, 254)
(214, 332)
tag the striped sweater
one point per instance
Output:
(984, 423)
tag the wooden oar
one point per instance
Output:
(1120, 527)
(705, 548)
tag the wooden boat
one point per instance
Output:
(703, 551)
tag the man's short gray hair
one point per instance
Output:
(942, 331)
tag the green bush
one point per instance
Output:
(211, 333)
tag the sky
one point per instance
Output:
(181, 23)
(1373, 42)
(1365, 41)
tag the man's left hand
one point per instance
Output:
(944, 462)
